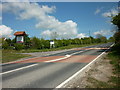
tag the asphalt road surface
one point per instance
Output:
(48, 71)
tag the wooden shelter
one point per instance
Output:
(20, 36)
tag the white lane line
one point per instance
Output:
(74, 75)
(66, 56)
(18, 69)
(77, 52)
(58, 59)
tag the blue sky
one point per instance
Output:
(76, 18)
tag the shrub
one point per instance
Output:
(19, 46)
(5, 45)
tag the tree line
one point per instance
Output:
(40, 43)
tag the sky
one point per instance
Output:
(65, 19)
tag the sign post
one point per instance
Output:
(52, 44)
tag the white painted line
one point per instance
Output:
(18, 69)
(74, 75)
(57, 59)
(77, 52)
(66, 56)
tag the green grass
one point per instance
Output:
(11, 55)
(98, 84)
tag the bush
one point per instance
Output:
(5, 45)
(19, 46)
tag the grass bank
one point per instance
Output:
(11, 55)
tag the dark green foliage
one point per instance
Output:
(46, 44)
(27, 42)
(5, 45)
(19, 46)
(13, 40)
(116, 20)
(36, 43)
(8, 41)
(111, 39)
(117, 37)
(58, 43)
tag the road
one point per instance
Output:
(49, 71)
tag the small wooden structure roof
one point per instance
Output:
(20, 33)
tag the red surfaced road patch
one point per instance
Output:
(39, 59)
(79, 58)
(75, 58)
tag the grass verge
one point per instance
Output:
(114, 56)
(11, 55)
(114, 80)
(98, 84)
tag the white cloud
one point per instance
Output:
(81, 35)
(97, 11)
(67, 29)
(64, 30)
(103, 32)
(112, 12)
(46, 33)
(5, 31)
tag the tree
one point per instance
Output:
(27, 42)
(5, 45)
(103, 39)
(8, 41)
(116, 21)
(117, 37)
(36, 44)
(111, 39)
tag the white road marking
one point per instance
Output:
(66, 56)
(46, 61)
(18, 69)
(35, 65)
(77, 52)
(74, 75)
